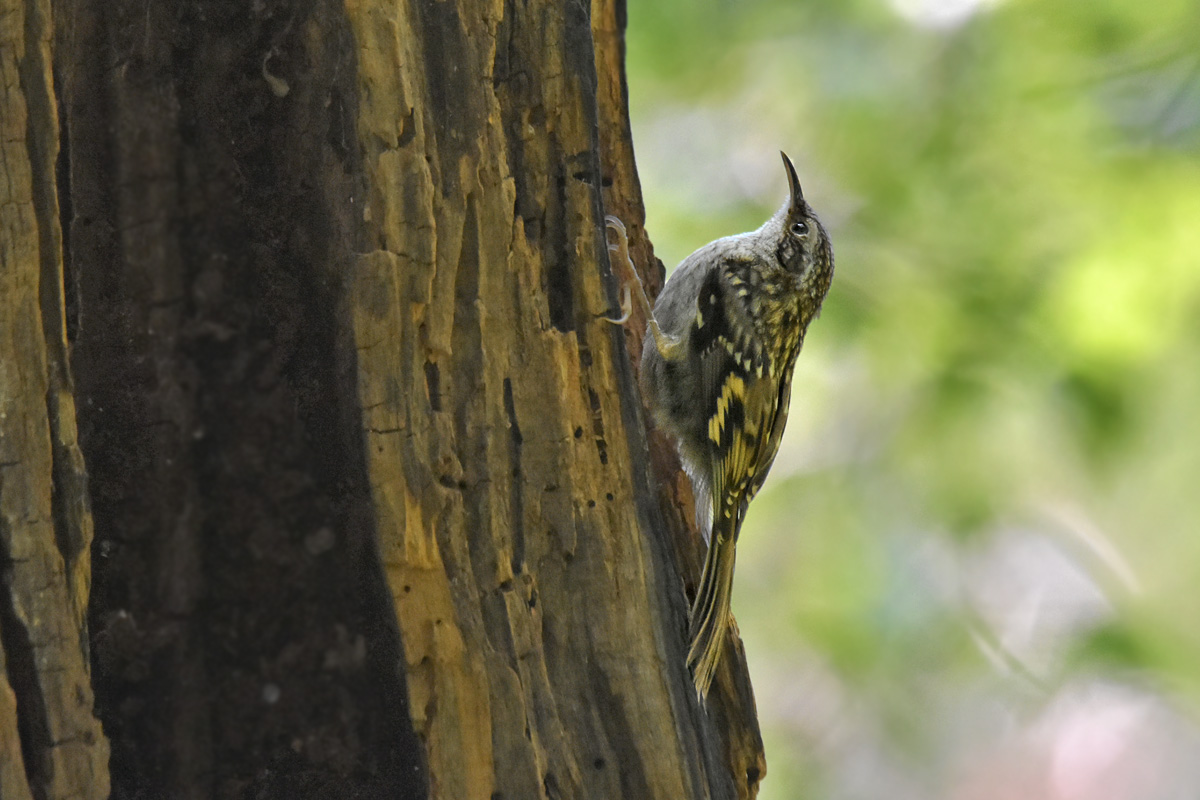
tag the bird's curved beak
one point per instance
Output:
(797, 194)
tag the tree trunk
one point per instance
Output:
(50, 744)
(376, 514)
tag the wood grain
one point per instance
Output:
(51, 746)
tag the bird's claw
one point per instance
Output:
(632, 283)
(620, 249)
(614, 222)
(626, 306)
(621, 246)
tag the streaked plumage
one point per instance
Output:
(717, 370)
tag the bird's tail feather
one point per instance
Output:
(710, 611)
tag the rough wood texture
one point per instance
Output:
(535, 575)
(243, 638)
(375, 510)
(50, 744)
(731, 705)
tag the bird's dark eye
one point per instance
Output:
(800, 228)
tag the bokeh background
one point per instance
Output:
(974, 573)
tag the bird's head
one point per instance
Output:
(802, 246)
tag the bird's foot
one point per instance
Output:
(631, 283)
(632, 290)
(626, 307)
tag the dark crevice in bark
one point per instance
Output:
(432, 381)
(66, 212)
(21, 666)
(598, 426)
(451, 85)
(465, 330)
(559, 282)
(517, 531)
(621, 735)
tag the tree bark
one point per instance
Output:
(50, 743)
(376, 512)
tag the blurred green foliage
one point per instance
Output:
(987, 496)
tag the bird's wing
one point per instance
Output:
(775, 425)
(743, 419)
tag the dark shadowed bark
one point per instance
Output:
(376, 512)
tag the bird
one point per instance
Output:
(716, 370)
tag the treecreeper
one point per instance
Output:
(721, 345)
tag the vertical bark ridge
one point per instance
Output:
(535, 587)
(732, 741)
(50, 744)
